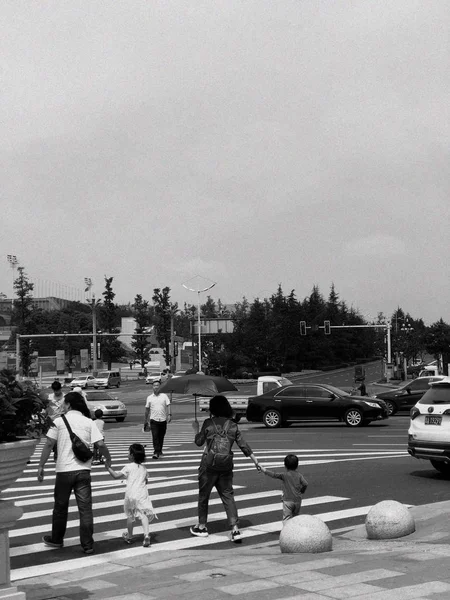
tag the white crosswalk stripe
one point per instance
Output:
(173, 488)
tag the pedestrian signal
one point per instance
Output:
(302, 327)
(327, 327)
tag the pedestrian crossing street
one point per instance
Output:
(173, 489)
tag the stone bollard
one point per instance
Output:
(305, 533)
(388, 520)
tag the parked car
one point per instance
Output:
(429, 430)
(111, 406)
(405, 396)
(83, 381)
(299, 402)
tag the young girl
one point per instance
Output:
(137, 502)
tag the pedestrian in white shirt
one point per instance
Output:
(71, 473)
(158, 409)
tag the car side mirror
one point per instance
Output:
(332, 396)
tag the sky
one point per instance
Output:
(249, 142)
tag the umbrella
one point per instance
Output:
(198, 385)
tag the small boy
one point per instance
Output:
(294, 485)
(98, 414)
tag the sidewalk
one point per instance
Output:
(414, 567)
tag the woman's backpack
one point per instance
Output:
(219, 457)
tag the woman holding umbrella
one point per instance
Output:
(219, 432)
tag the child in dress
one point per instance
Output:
(137, 501)
(294, 485)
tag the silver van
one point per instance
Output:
(107, 379)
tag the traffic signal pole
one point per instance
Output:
(387, 326)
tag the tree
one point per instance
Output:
(437, 341)
(111, 348)
(24, 316)
(141, 343)
(164, 310)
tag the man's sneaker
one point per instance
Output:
(199, 532)
(47, 539)
(88, 551)
(236, 537)
(155, 456)
(126, 538)
(161, 454)
(146, 543)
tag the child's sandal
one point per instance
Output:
(126, 538)
(146, 543)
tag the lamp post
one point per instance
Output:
(93, 306)
(199, 291)
(13, 262)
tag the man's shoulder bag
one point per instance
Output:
(81, 451)
(219, 457)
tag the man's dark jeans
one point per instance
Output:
(80, 483)
(158, 429)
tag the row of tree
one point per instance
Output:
(266, 333)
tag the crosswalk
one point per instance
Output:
(173, 489)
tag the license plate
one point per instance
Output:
(432, 420)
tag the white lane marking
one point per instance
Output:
(15, 533)
(177, 523)
(237, 459)
(38, 514)
(179, 544)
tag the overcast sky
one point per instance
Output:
(252, 142)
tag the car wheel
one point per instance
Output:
(118, 385)
(272, 419)
(353, 417)
(120, 419)
(440, 466)
(391, 407)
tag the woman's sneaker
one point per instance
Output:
(146, 543)
(236, 537)
(199, 532)
(126, 538)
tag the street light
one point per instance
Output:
(13, 262)
(93, 306)
(199, 291)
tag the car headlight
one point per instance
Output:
(121, 405)
(372, 404)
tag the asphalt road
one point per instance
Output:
(368, 480)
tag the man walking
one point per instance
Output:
(55, 401)
(158, 409)
(71, 473)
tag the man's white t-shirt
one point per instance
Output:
(55, 405)
(158, 406)
(85, 429)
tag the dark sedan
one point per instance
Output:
(408, 394)
(313, 402)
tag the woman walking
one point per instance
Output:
(219, 433)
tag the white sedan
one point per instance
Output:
(83, 381)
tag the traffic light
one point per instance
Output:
(302, 327)
(327, 327)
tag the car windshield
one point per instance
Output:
(102, 375)
(439, 393)
(285, 381)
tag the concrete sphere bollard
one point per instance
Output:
(305, 533)
(388, 520)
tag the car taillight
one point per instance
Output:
(413, 413)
